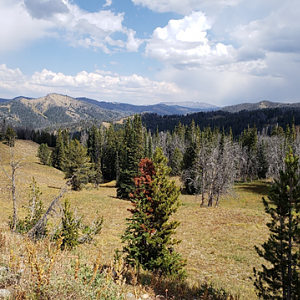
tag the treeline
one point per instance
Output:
(208, 160)
(262, 118)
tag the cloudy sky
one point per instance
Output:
(147, 51)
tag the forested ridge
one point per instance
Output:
(261, 118)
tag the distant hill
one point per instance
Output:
(256, 106)
(161, 109)
(51, 111)
(56, 110)
(236, 121)
(194, 105)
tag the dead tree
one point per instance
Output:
(40, 225)
(15, 165)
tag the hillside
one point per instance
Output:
(52, 110)
(237, 121)
(195, 105)
(167, 108)
(257, 106)
(217, 243)
(56, 110)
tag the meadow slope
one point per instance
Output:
(218, 243)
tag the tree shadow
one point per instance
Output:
(166, 288)
(259, 188)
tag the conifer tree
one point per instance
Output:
(281, 278)
(76, 165)
(44, 154)
(129, 163)
(59, 151)
(175, 162)
(148, 237)
(10, 136)
(69, 231)
(35, 210)
(131, 154)
(110, 154)
(262, 163)
(95, 152)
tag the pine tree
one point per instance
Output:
(44, 154)
(110, 154)
(262, 163)
(69, 231)
(132, 153)
(76, 165)
(281, 279)
(10, 136)
(94, 144)
(59, 151)
(35, 210)
(175, 162)
(129, 163)
(148, 237)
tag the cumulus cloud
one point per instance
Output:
(239, 82)
(99, 84)
(94, 29)
(15, 34)
(185, 7)
(185, 43)
(278, 32)
(65, 20)
(44, 9)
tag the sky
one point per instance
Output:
(221, 52)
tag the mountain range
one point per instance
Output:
(60, 110)
(55, 110)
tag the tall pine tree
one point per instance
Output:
(59, 151)
(281, 278)
(131, 154)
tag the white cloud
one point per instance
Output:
(239, 83)
(44, 9)
(108, 3)
(185, 43)
(17, 27)
(278, 32)
(186, 6)
(63, 19)
(92, 29)
(99, 84)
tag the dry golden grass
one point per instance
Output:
(218, 243)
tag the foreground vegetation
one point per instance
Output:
(218, 243)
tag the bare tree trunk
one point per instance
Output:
(14, 198)
(40, 225)
(15, 165)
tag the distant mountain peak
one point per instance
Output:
(258, 105)
(191, 104)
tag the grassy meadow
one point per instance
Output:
(218, 243)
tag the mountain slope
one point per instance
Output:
(193, 105)
(52, 110)
(255, 106)
(160, 108)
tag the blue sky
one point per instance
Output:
(148, 51)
